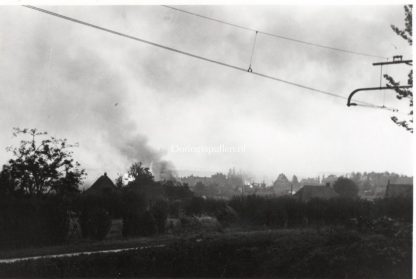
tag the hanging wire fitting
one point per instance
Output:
(252, 53)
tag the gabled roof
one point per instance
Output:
(103, 184)
(399, 190)
(309, 192)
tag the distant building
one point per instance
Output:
(399, 190)
(309, 192)
(102, 185)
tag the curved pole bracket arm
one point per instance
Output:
(371, 89)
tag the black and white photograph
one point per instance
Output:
(173, 140)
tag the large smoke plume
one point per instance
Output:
(75, 91)
(136, 149)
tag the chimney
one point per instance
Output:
(105, 174)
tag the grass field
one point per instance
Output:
(268, 253)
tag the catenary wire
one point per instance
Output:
(193, 55)
(274, 35)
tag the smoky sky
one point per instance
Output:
(124, 101)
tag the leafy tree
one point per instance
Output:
(140, 174)
(212, 189)
(404, 94)
(200, 189)
(194, 206)
(406, 33)
(133, 206)
(329, 179)
(119, 182)
(174, 190)
(346, 187)
(6, 185)
(42, 166)
(219, 178)
(160, 213)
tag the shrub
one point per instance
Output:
(95, 223)
(33, 222)
(398, 208)
(194, 206)
(131, 225)
(190, 224)
(56, 220)
(132, 210)
(226, 215)
(148, 224)
(160, 213)
(269, 211)
(139, 225)
(385, 225)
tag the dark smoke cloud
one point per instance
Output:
(76, 91)
(114, 122)
(137, 149)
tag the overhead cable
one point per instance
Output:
(189, 54)
(275, 35)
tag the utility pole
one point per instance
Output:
(397, 59)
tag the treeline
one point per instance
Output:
(39, 221)
(50, 219)
(286, 212)
(219, 185)
(41, 204)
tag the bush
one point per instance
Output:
(131, 225)
(33, 222)
(346, 188)
(148, 224)
(194, 206)
(400, 208)
(139, 225)
(226, 215)
(95, 223)
(190, 224)
(160, 213)
(269, 211)
(133, 207)
(384, 225)
(111, 201)
(56, 220)
(286, 211)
